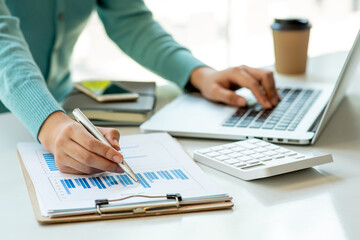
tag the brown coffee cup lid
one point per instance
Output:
(290, 24)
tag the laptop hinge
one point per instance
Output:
(316, 123)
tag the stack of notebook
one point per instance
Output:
(115, 113)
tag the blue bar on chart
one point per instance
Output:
(128, 179)
(146, 179)
(85, 182)
(113, 179)
(100, 182)
(67, 184)
(154, 175)
(77, 182)
(82, 182)
(175, 173)
(142, 180)
(50, 162)
(161, 175)
(92, 182)
(124, 180)
(121, 180)
(107, 181)
(148, 176)
(97, 182)
(151, 177)
(182, 175)
(166, 175)
(110, 181)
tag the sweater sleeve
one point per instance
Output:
(130, 24)
(22, 87)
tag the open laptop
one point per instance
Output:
(299, 118)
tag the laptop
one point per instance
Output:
(299, 118)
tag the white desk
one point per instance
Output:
(318, 203)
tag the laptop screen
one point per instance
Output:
(349, 72)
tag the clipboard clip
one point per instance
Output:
(103, 208)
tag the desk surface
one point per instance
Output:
(320, 202)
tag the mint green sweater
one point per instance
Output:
(37, 38)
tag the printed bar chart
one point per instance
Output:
(147, 180)
(158, 161)
(69, 187)
(50, 162)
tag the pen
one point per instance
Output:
(83, 120)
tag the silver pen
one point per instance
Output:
(83, 120)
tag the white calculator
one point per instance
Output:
(252, 159)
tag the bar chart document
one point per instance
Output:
(158, 161)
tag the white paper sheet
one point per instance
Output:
(157, 159)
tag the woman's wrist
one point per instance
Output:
(48, 130)
(199, 75)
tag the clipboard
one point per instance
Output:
(116, 215)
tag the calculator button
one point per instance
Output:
(270, 153)
(221, 158)
(218, 148)
(213, 154)
(257, 155)
(244, 158)
(238, 149)
(240, 164)
(225, 151)
(235, 155)
(263, 144)
(260, 150)
(247, 145)
(272, 147)
(291, 153)
(252, 166)
(248, 152)
(231, 161)
(265, 159)
(282, 150)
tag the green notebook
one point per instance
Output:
(122, 113)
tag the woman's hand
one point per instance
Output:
(219, 86)
(76, 150)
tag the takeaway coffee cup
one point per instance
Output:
(291, 37)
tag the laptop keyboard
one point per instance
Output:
(286, 116)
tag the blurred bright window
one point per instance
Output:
(221, 33)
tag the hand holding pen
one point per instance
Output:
(76, 150)
(83, 120)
